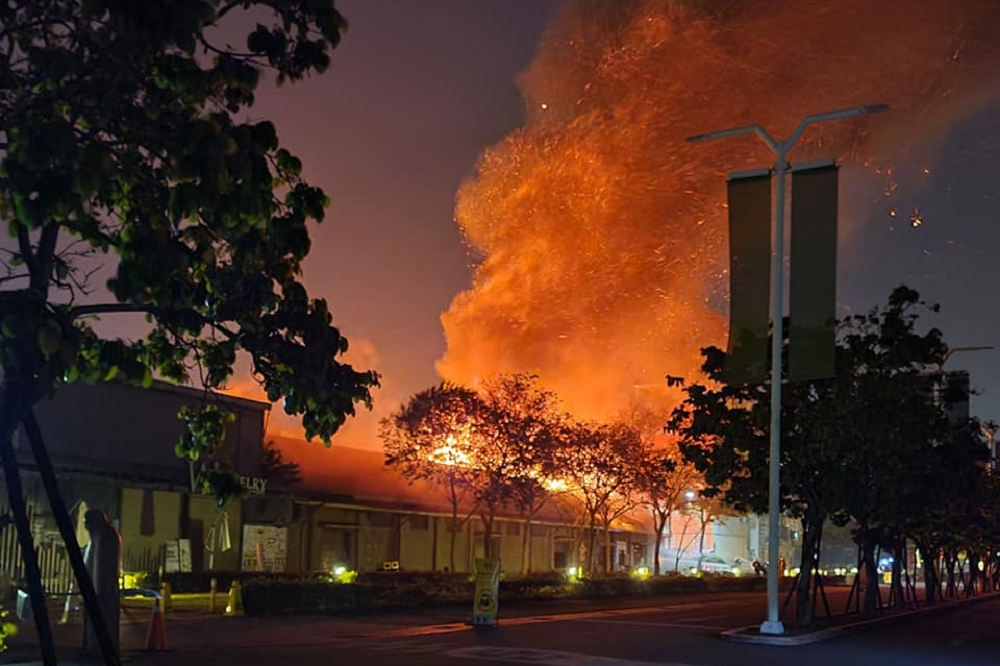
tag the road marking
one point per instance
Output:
(640, 623)
(433, 629)
(699, 618)
(546, 657)
(407, 647)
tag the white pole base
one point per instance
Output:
(775, 628)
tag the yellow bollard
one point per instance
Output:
(234, 607)
(168, 602)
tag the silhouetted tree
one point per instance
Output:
(599, 462)
(663, 476)
(431, 438)
(848, 442)
(121, 144)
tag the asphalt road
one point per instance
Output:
(680, 631)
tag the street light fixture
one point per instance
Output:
(955, 350)
(989, 430)
(780, 148)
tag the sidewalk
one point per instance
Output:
(849, 624)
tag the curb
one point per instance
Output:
(751, 634)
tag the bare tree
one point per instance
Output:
(663, 478)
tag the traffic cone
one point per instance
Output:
(156, 637)
(234, 607)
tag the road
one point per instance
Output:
(681, 631)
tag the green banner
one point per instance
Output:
(813, 275)
(749, 276)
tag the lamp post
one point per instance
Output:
(780, 148)
(989, 430)
(955, 350)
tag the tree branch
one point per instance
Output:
(46, 254)
(132, 308)
(24, 244)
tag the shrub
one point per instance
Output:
(283, 594)
(7, 628)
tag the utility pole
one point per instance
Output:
(780, 148)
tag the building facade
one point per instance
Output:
(113, 449)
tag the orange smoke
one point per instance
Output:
(600, 234)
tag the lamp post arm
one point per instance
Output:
(832, 115)
(737, 131)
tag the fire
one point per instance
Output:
(451, 453)
(450, 456)
(599, 234)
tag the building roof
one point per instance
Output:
(350, 475)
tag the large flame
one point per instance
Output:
(600, 234)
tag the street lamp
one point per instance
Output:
(780, 148)
(989, 430)
(955, 350)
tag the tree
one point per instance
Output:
(849, 443)
(496, 439)
(598, 462)
(893, 421)
(120, 143)
(514, 452)
(429, 438)
(524, 421)
(663, 478)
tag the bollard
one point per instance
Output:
(212, 586)
(234, 607)
(168, 602)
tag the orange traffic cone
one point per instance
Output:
(156, 637)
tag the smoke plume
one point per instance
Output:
(599, 234)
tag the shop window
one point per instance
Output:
(419, 522)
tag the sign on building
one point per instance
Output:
(264, 548)
(177, 555)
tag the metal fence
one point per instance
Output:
(53, 561)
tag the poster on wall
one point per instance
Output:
(264, 547)
(177, 555)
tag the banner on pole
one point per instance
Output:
(749, 195)
(813, 275)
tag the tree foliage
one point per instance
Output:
(663, 476)
(430, 438)
(493, 445)
(123, 142)
(599, 461)
(864, 446)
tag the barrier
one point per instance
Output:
(165, 594)
(234, 607)
(487, 579)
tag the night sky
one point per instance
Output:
(414, 93)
